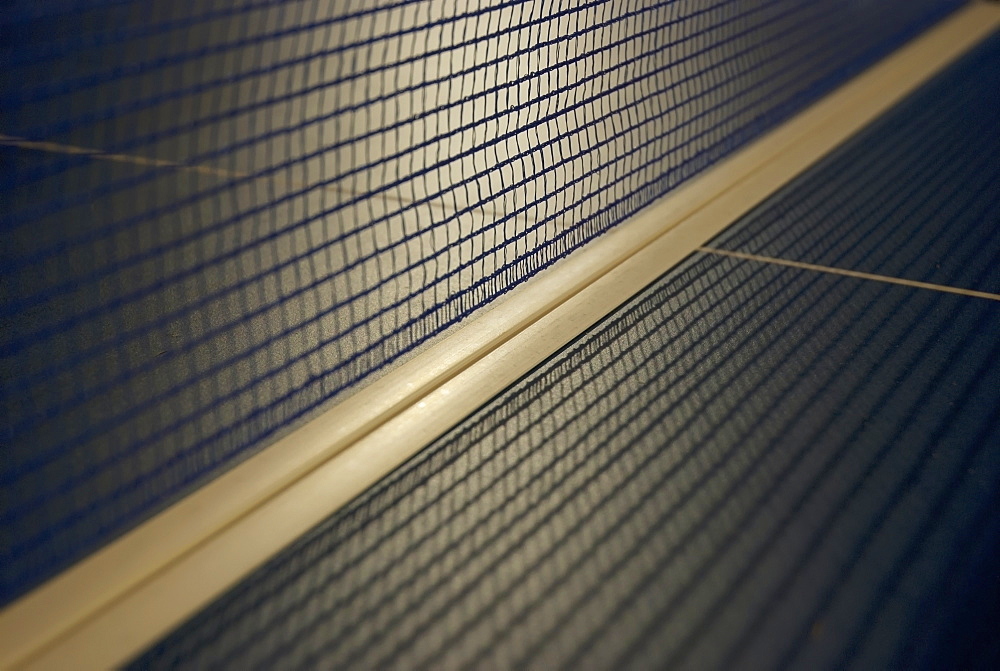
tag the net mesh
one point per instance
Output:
(743, 452)
(219, 216)
(744, 466)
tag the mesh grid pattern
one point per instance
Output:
(746, 466)
(269, 202)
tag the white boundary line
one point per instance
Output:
(112, 605)
(832, 270)
(205, 169)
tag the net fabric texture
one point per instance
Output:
(745, 466)
(748, 466)
(218, 216)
